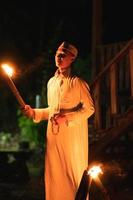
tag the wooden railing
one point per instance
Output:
(113, 86)
(104, 53)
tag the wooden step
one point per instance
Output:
(125, 124)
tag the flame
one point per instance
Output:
(95, 171)
(7, 69)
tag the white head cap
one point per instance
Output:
(66, 47)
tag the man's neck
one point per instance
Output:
(65, 72)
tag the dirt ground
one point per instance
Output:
(117, 179)
(34, 190)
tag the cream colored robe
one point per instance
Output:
(67, 148)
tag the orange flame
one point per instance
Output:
(7, 69)
(95, 171)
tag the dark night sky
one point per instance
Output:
(26, 27)
(117, 20)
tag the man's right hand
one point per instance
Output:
(28, 112)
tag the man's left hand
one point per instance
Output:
(60, 118)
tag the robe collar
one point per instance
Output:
(65, 74)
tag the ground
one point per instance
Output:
(117, 179)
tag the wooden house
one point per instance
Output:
(112, 89)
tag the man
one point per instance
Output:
(69, 107)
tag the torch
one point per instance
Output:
(8, 74)
(85, 182)
(94, 172)
(87, 177)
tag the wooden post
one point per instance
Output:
(96, 23)
(131, 69)
(113, 89)
(97, 100)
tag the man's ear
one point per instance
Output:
(72, 59)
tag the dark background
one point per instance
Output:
(33, 29)
(28, 27)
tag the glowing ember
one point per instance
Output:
(7, 69)
(95, 171)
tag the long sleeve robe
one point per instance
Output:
(67, 144)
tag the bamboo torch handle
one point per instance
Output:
(15, 91)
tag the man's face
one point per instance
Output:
(63, 60)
